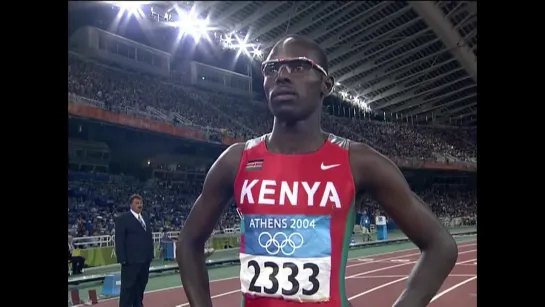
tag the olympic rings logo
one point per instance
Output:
(280, 242)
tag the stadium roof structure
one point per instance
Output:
(408, 57)
(405, 57)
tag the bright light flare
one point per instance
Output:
(256, 52)
(242, 45)
(251, 50)
(191, 25)
(362, 103)
(131, 7)
(227, 41)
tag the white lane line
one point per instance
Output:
(394, 281)
(452, 288)
(465, 262)
(402, 256)
(354, 276)
(399, 276)
(213, 297)
(402, 264)
(378, 287)
(460, 245)
(351, 276)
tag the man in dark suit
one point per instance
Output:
(134, 250)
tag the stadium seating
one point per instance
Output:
(95, 199)
(123, 91)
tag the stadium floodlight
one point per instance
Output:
(131, 7)
(189, 24)
(361, 101)
(192, 26)
(227, 41)
(362, 104)
(235, 42)
(256, 52)
(242, 45)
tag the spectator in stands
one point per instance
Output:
(165, 238)
(77, 261)
(219, 114)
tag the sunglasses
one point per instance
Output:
(300, 65)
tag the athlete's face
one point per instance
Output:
(294, 87)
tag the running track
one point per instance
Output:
(374, 280)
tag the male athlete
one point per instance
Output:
(295, 189)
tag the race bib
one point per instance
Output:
(286, 256)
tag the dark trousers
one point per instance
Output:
(77, 264)
(134, 278)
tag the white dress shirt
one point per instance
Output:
(138, 217)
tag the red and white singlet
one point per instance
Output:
(297, 221)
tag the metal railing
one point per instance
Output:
(109, 240)
(231, 259)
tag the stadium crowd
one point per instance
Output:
(95, 199)
(444, 203)
(123, 91)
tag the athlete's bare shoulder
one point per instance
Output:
(223, 172)
(232, 153)
(239, 146)
(369, 166)
(362, 154)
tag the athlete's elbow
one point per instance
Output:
(187, 240)
(447, 249)
(186, 251)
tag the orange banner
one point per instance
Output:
(228, 140)
(132, 121)
(451, 165)
(415, 163)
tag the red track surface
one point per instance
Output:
(371, 281)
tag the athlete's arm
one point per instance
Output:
(216, 192)
(376, 174)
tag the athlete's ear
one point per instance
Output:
(327, 85)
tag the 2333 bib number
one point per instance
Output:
(291, 278)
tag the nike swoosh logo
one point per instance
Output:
(326, 167)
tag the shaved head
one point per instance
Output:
(295, 39)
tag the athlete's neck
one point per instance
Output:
(301, 137)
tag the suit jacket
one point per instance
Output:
(133, 244)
